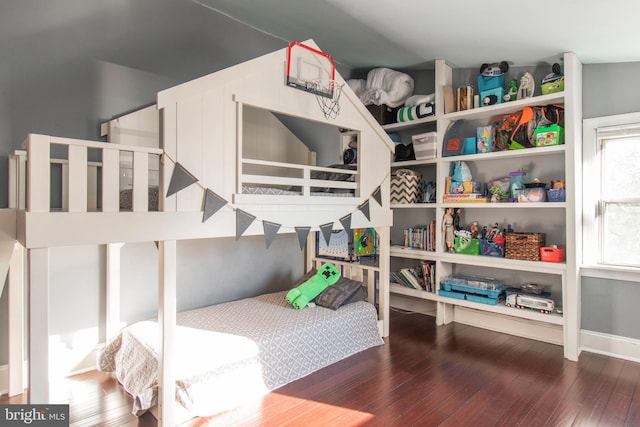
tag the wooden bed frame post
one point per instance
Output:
(113, 289)
(167, 320)
(16, 320)
(383, 278)
(39, 326)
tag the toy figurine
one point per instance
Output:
(494, 232)
(512, 94)
(483, 233)
(456, 219)
(447, 230)
(474, 230)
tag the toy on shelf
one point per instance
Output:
(491, 83)
(527, 86)
(447, 230)
(553, 82)
(475, 289)
(300, 296)
(530, 296)
(512, 93)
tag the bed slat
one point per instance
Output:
(77, 179)
(38, 170)
(140, 182)
(110, 180)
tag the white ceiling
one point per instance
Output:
(412, 33)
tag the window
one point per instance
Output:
(612, 191)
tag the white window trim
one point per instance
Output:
(590, 196)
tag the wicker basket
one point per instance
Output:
(525, 246)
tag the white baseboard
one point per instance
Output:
(610, 345)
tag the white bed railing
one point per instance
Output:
(86, 185)
(296, 176)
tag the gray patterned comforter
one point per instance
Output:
(231, 353)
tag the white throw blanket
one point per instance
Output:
(383, 86)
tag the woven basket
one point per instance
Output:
(525, 246)
(406, 186)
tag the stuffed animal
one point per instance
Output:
(300, 296)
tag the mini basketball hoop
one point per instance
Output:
(312, 70)
(328, 96)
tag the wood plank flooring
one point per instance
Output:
(453, 375)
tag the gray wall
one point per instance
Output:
(610, 306)
(69, 65)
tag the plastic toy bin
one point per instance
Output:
(466, 246)
(554, 195)
(492, 247)
(552, 254)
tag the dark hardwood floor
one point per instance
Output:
(424, 375)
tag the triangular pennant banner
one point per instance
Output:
(346, 223)
(270, 231)
(377, 195)
(243, 221)
(364, 208)
(180, 179)
(212, 204)
(303, 233)
(326, 231)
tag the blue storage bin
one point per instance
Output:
(486, 83)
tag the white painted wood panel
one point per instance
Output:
(16, 320)
(39, 326)
(140, 181)
(38, 169)
(167, 320)
(110, 180)
(77, 179)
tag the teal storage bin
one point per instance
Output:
(469, 145)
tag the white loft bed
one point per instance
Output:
(202, 130)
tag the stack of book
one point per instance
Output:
(421, 237)
(465, 198)
(420, 277)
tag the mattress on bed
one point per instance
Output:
(275, 191)
(231, 353)
(126, 199)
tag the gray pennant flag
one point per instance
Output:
(364, 208)
(377, 196)
(326, 231)
(346, 223)
(270, 231)
(303, 233)
(180, 179)
(243, 221)
(212, 204)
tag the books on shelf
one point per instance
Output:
(421, 237)
(420, 277)
(465, 198)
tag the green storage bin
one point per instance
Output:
(466, 246)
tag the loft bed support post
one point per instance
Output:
(113, 288)
(383, 278)
(16, 320)
(39, 173)
(167, 321)
(39, 326)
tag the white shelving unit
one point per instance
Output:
(560, 221)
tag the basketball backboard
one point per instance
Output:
(310, 69)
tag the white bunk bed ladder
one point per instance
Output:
(80, 176)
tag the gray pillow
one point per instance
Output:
(344, 291)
